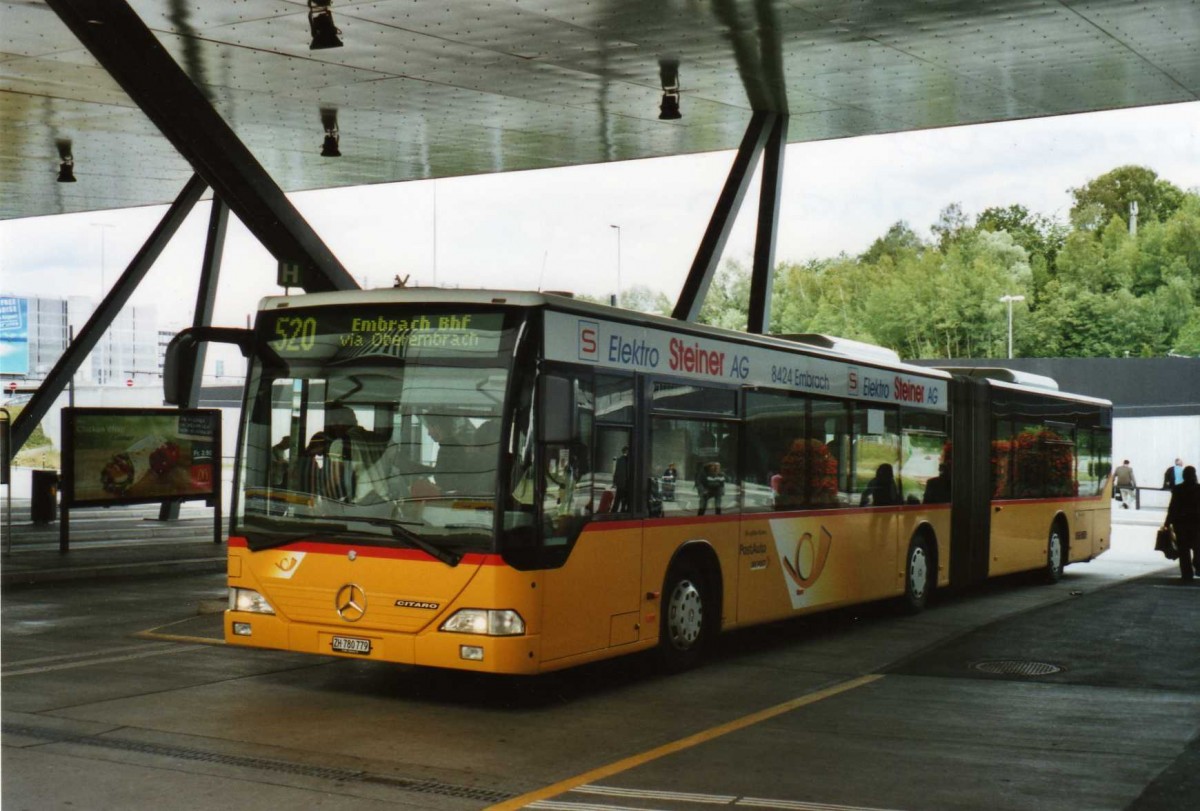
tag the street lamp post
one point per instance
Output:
(617, 299)
(108, 355)
(1009, 300)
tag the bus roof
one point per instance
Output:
(1006, 375)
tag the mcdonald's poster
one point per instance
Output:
(14, 336)
(131, 456)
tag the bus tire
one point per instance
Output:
(684, 624)
(918, 575)
(1056, 552)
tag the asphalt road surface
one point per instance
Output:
(118, 694)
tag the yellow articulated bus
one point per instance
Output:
(513, 482)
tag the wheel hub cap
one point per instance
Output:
(918, 573)
(685, 615)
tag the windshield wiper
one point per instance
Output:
(268, 538)
(403, 533)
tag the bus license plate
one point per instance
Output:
(350, 644)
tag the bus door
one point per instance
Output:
(592, 510)
(874, 483)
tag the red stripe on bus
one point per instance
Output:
(1052, 499)
(319, 548)
(758, 516)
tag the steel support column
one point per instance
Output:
(695, 287)
(206, 295)
(763, 275)
(206, 299)
(131, 54)
(110, 306)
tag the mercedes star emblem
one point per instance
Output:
(351, 602)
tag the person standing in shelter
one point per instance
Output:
(710, 484)
(1126, 483)
(1173, 477)
(621, 482)
(1183, 515)
(669, 477)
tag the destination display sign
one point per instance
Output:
(613, 345)
(344, 333)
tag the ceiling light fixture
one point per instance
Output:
(332, 136)
(66, 167)
(320, 22)
(668, 72)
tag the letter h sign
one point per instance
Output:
(288, 274)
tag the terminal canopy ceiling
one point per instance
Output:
(427, 89)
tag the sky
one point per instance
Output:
(552, 229)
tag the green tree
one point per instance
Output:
(1041, 237)
(645, 299)
(1187, 341)
(1170, 249)
(1108, 196)
(952, 224)
(1091, 290)
(899, 240)
(824, 296)
(728, 301)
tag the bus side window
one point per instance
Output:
(568, 478)
(701, 456)
(782, 465)
(829, 426)
(924, 458)
(616, 462)
(876, 456)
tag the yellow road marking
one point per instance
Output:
(194, 640)
(153, 633)
(633, 761)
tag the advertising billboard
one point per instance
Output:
(14, 336)
(139, 455)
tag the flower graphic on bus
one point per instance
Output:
(803, 556)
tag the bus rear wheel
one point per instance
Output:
(684, 629)
(918, 575)
(1054, 554)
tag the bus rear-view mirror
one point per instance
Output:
(183, 352)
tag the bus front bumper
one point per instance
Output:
(484, 654)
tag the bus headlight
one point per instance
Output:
(485, 622)
(249, 600)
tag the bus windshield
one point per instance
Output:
(375, 424)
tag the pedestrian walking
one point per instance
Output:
(1173, 477)
(1183, 515)
(1126, 483)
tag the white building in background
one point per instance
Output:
(128, 350)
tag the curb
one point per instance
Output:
(115, 571)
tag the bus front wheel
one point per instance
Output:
(918, 575)
(1054, 553)
(684, 627)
